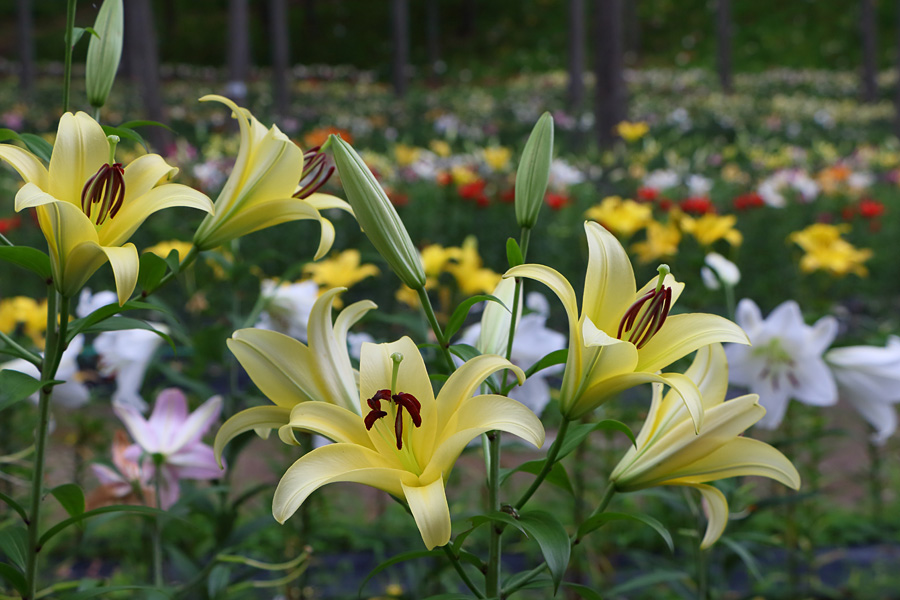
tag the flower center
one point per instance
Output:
(777, 363)
(104, 193)
(645, 317)
(316, 171)
(400, 402)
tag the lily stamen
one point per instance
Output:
(316, 172)
(400, 401)
(647, 314)
(106, 187)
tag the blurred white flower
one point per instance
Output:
(661, 179)
(88, 302)
(71, 394)
(287, 306)
(719, 270)
(698, 185)
(126, 355)
(355, 342)
(868, 377)
(860, 180)
(785, 360)
(563, 175)
(772, 189)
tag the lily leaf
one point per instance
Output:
(70, 497)
(598, 521)
(13, 543)
(151, 271)
(117, 508)
(28, 258)
(15, 387)
(127, 134)
(583, 591)
(14, 505)
(37, 145)
(94, 321)
(513, 253)
(557, 475)
(13, 577)
(557, 357)
(462, 311)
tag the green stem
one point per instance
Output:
(70, 34)
(425, 301)
(157, 530)
(5, 241)
(548, 464)
(57, 318)
(492, 577)
(182, 265)
(454, 560)
(23, 352)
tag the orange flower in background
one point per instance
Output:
(319, 136)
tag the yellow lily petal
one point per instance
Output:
(132, 214)
(465, 381)
(257, 417)
(332, 463)
(326, 238)
(349, 317)
(258, 216)
(740, 457)
(144, 173)
(682, 334)
(125, 263)
(476, 416)
(29, 166)
(286, 435)
(31, 196)
(616, 357)
(669, 281)
(281, 367)
(334, 422)
(428, 505)
(334, 369)
(716, 513)
(609, 287)
(80, 149)
(322, 202)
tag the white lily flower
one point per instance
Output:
(288, 307)
(71, 394)
(868, 377)
(126, 355)
(719, 270)
(89, 302)
(785, 360)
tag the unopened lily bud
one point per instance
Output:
(104, 53)
(377, 216)
(534, 172)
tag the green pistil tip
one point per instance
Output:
(663, 270)
(113, 142)
(397, 358)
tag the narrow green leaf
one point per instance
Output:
(144, 123)
(551, 536)
(746, 557)
(28, 258)
(557, 357)
(151, 271)
(15, 387)
(13, 577)
(14, 544)
(124, 323)
(173, 259)
(14, 505)
(465, 351)
(513, 253)
(102, 591)
(578, 432)
(449, 597)
(557, 475)
(218, 581)
(8, 134)
(459, 315)
(602, 519)
(70, 497)
(103, 313)
(126, 134)
(583, 591)
(92, 31)
(405, 556)
(62, 525)
(37, 145)
(642, 581)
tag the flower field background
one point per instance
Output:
(776, 206)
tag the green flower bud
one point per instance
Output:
(534, 172)
(377, 216)
(103, 54)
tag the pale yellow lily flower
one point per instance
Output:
(260, 190)
(826, 250)
(624, 337)
(710, 228)
(288, 372)
(669, 452)
(471, 276)
(343, 269)
(662, 242)
(88, 205)
(408, 441)
(622, 217)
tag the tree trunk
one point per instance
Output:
(281, 53)
(869, 60)
(632, 31)
(238, 50)
(723, 29)
(576, 55)
(432, 39)
(26, 48)
(143, 53)
(897, 96)
(610, 101)
(467, 23)
(400, 44)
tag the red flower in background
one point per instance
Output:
(471, 191)
(870, 208)
(508, 195)
(699, 205)
(748, 201)
(647, 194)
(9, 224)
(557, 201)
(398, 199)
(665, 204)
(444, 178)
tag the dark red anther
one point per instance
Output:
(402, 401)
(105, 188)
(412, 406)
(645, 317)
(316, 172)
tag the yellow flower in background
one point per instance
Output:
(826, 250)
(625, 336)
(406, 155)
(470, 275)
(435, 258)
(440, 147)
(668, 450)
(402, 439)
(462, 175)
(733, 174)
(662, 242)
(162, 249)
(340, 270)
(632, 132)
(497, 157)
(25, 311)
(88, 205)
(622, 217)
(710, 228)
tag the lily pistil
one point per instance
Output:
(646, 315)
(105, 188)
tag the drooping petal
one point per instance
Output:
(560, 286)
(822, 334)
(326, 238)
(334, 422)
(349, 317)
(280, 366)
(609, 287)
(80, 149)
(144, 173)
(125, 263)
(428, 505)
(29, 166)
(466, 380)
(198, 423)
(257, 417)
(195, 461)
(815, 384)
(476, 416)
(30, 196)
(881, 415)
(682, 334)
(332, 358)
(716, 509)
(117, 230)
(739, 457)
(335, 462)
(326, 202)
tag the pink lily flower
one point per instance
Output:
(171, 439)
